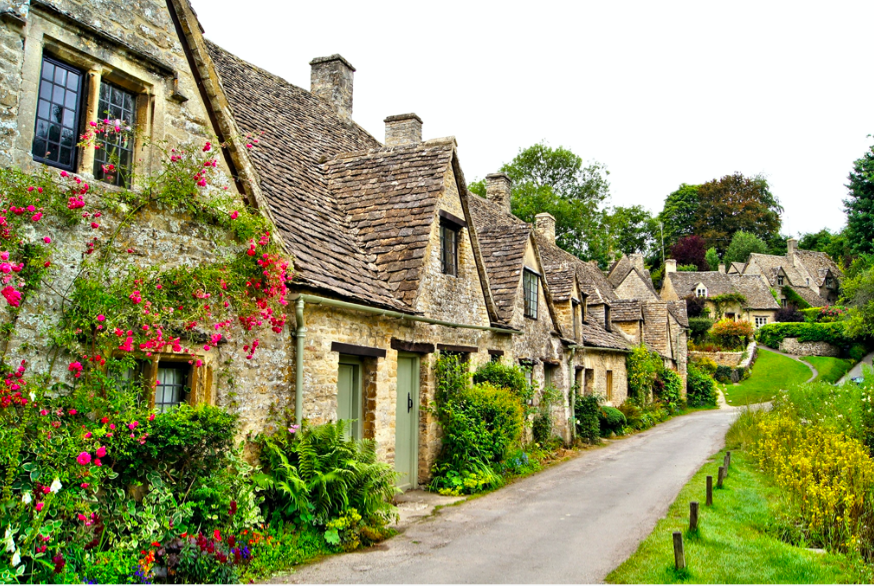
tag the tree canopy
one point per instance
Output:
(736, 203)
(859, 204)
(742, 245)
(679, 213)
(712, 258)
(689, 250)
(632, 230)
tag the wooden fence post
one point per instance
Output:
(693, 516)
(679, 555)
(725, 464)
(709, 491)
(728, 459)
(720, 477)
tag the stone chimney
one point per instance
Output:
(722, 268)
(498, 189)
(791, 246)
(544, 223)
(637, 261)
(670, 265)
(331, 81)
(403, 129)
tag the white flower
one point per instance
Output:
(10, 544)
(32, 396)
(56, 485)
(26, 499)
(16, 558)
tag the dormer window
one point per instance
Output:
(829, 282)
(530, 287)
(450, 229)
(701, 291)
(780, 280)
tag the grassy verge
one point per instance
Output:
(770, 373)
(830, 369)
(736, 541)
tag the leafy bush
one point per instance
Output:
(706, 365)
(723, 374)
(511, 377)
(611, 420)
(772, 334)
(639, 418)
(700, 387)
(587, 410)
(696, 306)
(698, 328)
(857, 351)
(542, 425)
(315, 474)
(732, 334)
(671, 390)
(687, 268)
(643, 369)
(788, 314)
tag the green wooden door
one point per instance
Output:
(407, 423)
(349, 403)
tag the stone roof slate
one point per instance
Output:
(594, 335)
(626, 310)
(737, 267)
(592, 281)
(770, 265)
(655, 327)
(819, 264)
(622, 268)
(758, 295)
(678, 309)
(503, 239)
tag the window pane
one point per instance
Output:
(57, 114)
(117, 149)
(43, 109)
(70, 100)
(72, 81)
(48, 70)
(60, 76)
(58, 94)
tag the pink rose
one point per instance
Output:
(84, 459)
(47, 239)
(101, 452)
(39, 507)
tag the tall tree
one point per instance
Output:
(555, 180)
(743, 244)
(736, 203)
(679, 213)
(859, 204)
(632, 230)
(835, 244)
(689, 250)
(712, 258)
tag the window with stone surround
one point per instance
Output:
(761, 320)
(167, 382)
(113, 161)
(530, 287)
(59, 107)
(779, 279)
(449, 249)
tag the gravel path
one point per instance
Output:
(573, 522)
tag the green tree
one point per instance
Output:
(678, 215)
(632, 230)
(712, 258)
(742, 245)
(859, 296)
(736, 203)
(834, 244)
(859, 204)
(555, 180)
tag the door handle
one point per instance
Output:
(409, 402)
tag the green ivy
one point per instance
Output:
(772, 334)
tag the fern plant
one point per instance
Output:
(316, 474)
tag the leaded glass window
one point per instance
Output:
(57, 114)
(530, 282)
(113, 161)
(171, 387)
(449, 249)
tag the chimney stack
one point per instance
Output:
(403, 129)
(722, 268)
(544, 223)
(637, 261)
(498, 189)
(792, 246)
(670, 265)
(331, 81)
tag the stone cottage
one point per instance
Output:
(758, 307)
(65, 64)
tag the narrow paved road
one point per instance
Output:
(857, 370)
(574, 522)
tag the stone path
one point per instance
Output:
(571, 523)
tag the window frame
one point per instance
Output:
(126, 178)
(757, 318)
(446, 267)
(780, 280)
(575, 313)
(198, 387)
(185, 391)
(78, 113)
(530, 297)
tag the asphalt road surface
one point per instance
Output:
(574, 522)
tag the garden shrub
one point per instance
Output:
(611, 420)
(511, 377)
(698, 328)
(587, 409)
(788, 314)
(827, 314)
(723, 374)
(772, 334)
(315, 474)
(696, 307)
(706, 365)
(730, 334)
(642, 367)
(542, 424)
(857, 351)
(700, 387)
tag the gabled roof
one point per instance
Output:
(737, 268)
(624, 310)
(771, 266)
(818, 264)
(811, 297)
(624, 267)
(594, 335)
(656, 333)
(757, 294)
(678, 310)
(592, 281)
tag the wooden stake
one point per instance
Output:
(725, 465)
(720, 477)
(679, 555)
(693, 516)
(728, 459)
(709, 491)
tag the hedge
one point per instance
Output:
(772, 334)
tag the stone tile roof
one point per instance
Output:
(678, 309)
(503, 239)
(818, 264)
(389, 197)
(813, 298)
(655, 327)
(626, 310)
(592, 281)
(622, 268)
(594, 335)
(770, 265)
(758, 294)
(301, 132)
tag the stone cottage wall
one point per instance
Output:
(600, 361)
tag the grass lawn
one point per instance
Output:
(830, 369)
(733, 545)
(771, 373)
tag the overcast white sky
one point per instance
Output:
(660, 92)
